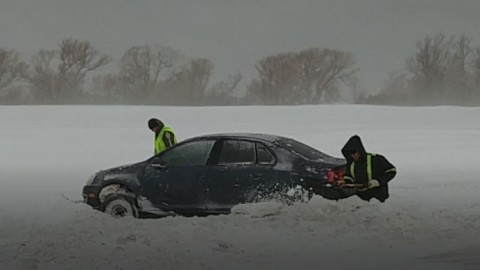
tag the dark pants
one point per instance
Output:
(380, 193)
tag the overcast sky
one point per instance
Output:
(235, 34)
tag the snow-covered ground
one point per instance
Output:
(431, 221)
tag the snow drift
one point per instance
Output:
(431, 221)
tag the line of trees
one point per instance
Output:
(442, 71)
(155, 74)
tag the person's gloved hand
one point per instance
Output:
(373, 184)
(339, 183)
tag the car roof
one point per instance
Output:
(234, 135)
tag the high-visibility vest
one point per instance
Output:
(352, 170)
(369, 168)
(159, 144)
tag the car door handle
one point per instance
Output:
(257, 176)
(159, 166)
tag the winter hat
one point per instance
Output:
(354, 144)
(154, 122)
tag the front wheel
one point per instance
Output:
(118, 205)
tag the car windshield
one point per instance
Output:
(301, 149)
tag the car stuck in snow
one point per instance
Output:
(210, 174)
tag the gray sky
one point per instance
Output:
(234, 34)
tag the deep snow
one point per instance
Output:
(431, 221)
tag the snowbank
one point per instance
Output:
(431, 221)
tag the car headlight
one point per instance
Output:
(90, 179)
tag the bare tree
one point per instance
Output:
(77, 58)
(277, 77)
(12, 69)
(332, 66)
(459, 81)
(309, 76)
(142, 66)
(43, 75)
(476, 75)
(429, 65)
(476, 64)
(187, 86)
(441, 71)
(462, 53)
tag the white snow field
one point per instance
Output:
(431, 221)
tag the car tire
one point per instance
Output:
(119, 205)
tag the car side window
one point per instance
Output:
(236, 151)
(189, 154)
(263, 155)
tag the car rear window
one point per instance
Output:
(234, 151)
(263, 155)
(302, 149)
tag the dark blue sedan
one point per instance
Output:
(210, 174)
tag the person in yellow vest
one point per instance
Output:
(164, 136)
(372, 171)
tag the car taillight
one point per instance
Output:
(335, 175)
(330, 176)
(340, 174)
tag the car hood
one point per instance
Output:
(124, 173)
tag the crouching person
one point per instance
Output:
(372, 171)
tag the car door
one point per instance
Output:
(175, 180)
(236, 174)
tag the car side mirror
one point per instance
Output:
(158, 163)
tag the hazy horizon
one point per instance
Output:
(234, 35)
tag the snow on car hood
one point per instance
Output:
(125, 172)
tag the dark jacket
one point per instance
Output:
(358, 172)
